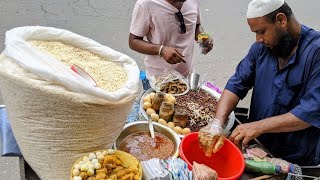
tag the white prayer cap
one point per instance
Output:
(260, 8)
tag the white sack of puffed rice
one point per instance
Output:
(55, 114)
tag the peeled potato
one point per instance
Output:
(178, 129)
(151, 95)
(154, 116)
(150, 111)
(147, 105)
(186, 131)
(162, 121)
(170, 125)
(147, 98)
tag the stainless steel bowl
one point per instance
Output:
(139, 126)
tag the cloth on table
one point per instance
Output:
(134, 113)
(9, 146)
(168, 169)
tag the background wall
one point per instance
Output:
(108, 22)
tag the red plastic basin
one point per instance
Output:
(228, 162)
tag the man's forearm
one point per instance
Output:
(282, 123)
(142, 46)
(226, 104)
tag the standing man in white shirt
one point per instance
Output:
(170, 28)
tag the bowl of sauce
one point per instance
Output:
(136, 140)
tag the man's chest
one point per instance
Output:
(281, 88)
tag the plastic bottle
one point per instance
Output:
(166, 111)
(262, 167)
(144, 80)
(285, 166)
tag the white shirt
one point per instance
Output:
(155, 19)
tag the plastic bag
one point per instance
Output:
(211, 137)
(168, 169)
(205, 42)
(154, 169)
(54, 114)
(170, 81)
(203, 172)
(178, 169)
(53, 70)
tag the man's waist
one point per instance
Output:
(292, 146)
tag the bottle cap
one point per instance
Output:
(292, 168)
(278, 169)
(143, 75)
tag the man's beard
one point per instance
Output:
(286, 43)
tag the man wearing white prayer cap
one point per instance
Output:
(283, 69)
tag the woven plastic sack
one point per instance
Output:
(55, 117)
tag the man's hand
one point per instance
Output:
(211, 137)
(245, 133)
(172, 55)
(208, 44)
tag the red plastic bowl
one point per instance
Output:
(228, 162)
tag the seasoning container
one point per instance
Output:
(166, 111)
(180, 117)
(157, 101)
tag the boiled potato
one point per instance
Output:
(147, 105)
(162, 121)
(150, 111)
(154, 116)
(178, 129)
(186, 131)
(170, 125)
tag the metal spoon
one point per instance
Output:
(194, 81)
(151, 127)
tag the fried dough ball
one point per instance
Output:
(178, 129)
(154, 116)
(150, 111)
(147, 105)
(186, 131)
(162, 121)
(170, 125)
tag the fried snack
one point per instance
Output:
(174, 87)
(115, 165)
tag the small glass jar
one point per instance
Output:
(166, 111)
(157, 101)
(180, 117)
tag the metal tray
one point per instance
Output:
(205, 88)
